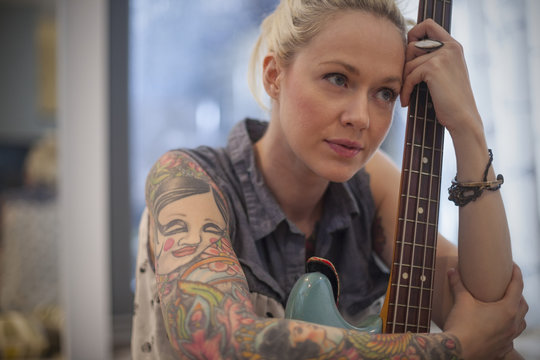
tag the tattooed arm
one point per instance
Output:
(205, 297)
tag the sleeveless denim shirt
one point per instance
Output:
(270, 248)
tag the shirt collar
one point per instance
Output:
(263, 211)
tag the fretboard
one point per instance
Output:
(408, 303)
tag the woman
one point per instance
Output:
(313, 181)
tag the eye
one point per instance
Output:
(212, 228)
(387, 95)
(174, 227)
(337, 79)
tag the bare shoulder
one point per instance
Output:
(171, 166)
(189, 219)
(384, 177)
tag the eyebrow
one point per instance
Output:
(348, 67)
(354, 70)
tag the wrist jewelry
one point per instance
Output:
(463, 193)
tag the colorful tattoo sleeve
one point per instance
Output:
(204, 294)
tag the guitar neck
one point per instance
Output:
(409, 296)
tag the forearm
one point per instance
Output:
(214, 322)
(485, 257)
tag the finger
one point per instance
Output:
(414, 63)
(522, 326)
(414, 52)
(456, 285)
(428, 29)
(411, 79)
(508, 351)
(514, 290)
(523, 306)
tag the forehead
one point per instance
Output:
(193, 206)
(360, 39)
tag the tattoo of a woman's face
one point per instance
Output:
(186, 227)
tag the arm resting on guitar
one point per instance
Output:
(485, 256)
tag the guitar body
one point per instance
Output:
(312, 300)
(407, 306)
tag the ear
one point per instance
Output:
(271, 75)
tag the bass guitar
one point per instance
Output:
(407, 305)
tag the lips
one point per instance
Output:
(345, 147)
(184, 251)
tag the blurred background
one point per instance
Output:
(93, 92)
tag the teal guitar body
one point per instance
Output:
(312, 300)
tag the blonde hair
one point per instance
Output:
(294, 23)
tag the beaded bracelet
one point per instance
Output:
(463, 193)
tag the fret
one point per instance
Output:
(422, 212)
(419, 135)
(410, 287)
(421, 198)
(417, 328)
(422, 268)
(404, 296)
(424, 155)
(419, 275)
(413, 296)
(411, 307)
(424, 147)
(421, 258)
(412, 318)
(428, 189)
(417, 246)
(407, 298)
(418, 257)
(417, 222)
(422, 173)
(422, 118)
(421, 271)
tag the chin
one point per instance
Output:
(338, 175)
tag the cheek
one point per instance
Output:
(168, 244)
(302, 104)
(380, 122)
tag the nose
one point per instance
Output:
(356, 113)
(189, 238)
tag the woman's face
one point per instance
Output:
(184, 233)
(335, 100)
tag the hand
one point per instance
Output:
(513, 355)
(486, 330)
(445, 72)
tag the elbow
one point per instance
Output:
(490, 286)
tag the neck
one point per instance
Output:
(297, 189)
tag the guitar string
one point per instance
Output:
(432, 180)
(445, 23)
(435, 183)
(412, 155)
(406, 210)
(437, 130)
(428, 212)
